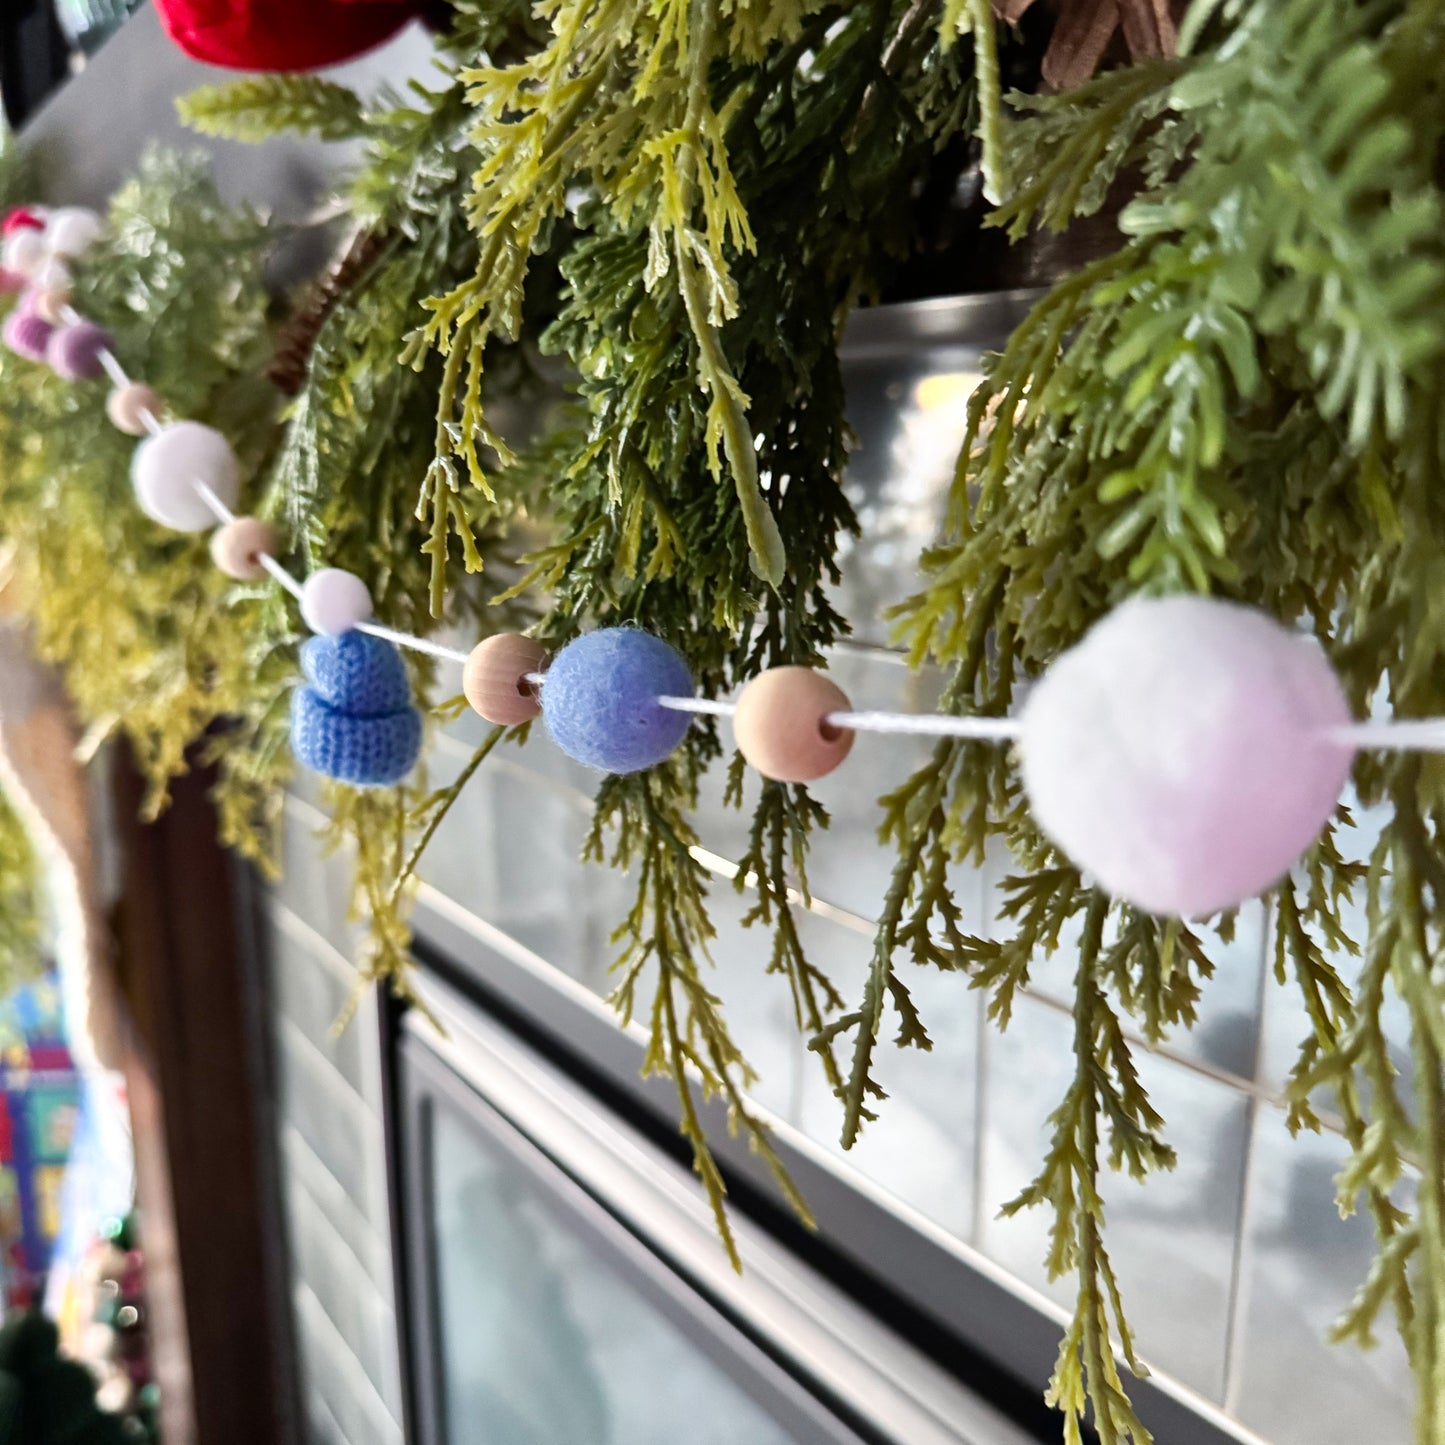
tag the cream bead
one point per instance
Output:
(494, 678)
(72, 230)
(780, 725)
(237, 548)
(24, 252)
(333, 601)
(128, 406)
(50, 303)
(167, 467)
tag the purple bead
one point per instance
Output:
(600, 699)
(27, 334)
(74, 351)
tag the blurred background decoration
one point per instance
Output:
(42, 41)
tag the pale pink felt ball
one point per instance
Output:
(1181, 754)
(168, 468)
(73, 230)
(24, 252)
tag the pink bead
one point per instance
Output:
(27, 334)
(74, 351)
(128, 405)
(1181, 753)
(494, 678)
(237, 548)
(21, 218)
(780, 726)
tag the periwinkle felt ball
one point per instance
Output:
(1182, 754)
(600, 699)
(354, 720)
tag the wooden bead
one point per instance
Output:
(128, 405)
(50, 303)
(780, 729)
(494, 678)
(237, 548)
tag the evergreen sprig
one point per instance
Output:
(261, 106)
(1242, 398)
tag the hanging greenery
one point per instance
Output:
(667, 209)
(22, 957)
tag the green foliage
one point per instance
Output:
(641, 188)
(265, 105)
(1244, 398)
(156, 646)
(614, 250)
(21, 955)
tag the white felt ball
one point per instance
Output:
(334, 601)
(167, 466)
(52, 274)
(24, 252)
(1180, 753)
(72, 230)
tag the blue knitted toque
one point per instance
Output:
(361, 675)
(355, 723)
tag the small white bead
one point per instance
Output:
(73, 230)
(333, 601)
(24, 252)
(167, 466)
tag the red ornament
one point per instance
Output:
(283, 34)
(22, 218)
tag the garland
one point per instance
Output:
(683, 202)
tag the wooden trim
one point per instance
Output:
(198, 1082)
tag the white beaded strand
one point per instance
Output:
(1410, 735)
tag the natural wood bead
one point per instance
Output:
(494, 678)
(237, 547)
(779, 726)
(127, 405)
(50, 302)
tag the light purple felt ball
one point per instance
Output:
(27, 334)
(1181, 754)
(74, 351)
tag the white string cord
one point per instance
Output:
(1413, 735)
(1408, 734)
(987, 729)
